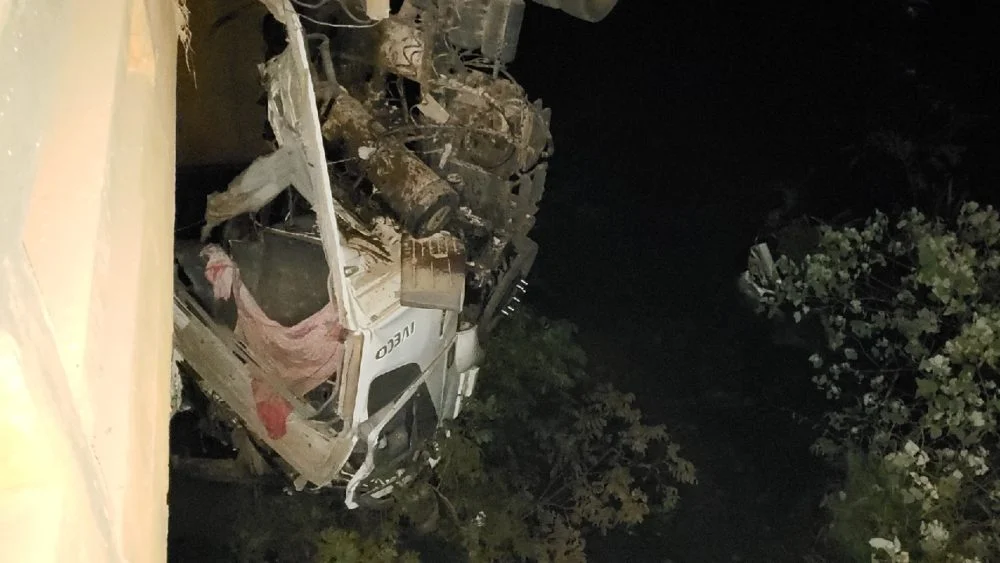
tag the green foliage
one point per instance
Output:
(911, 310)
(545, 455)
(258, 536)
(869, 505)
(348, 546)
(276, 528)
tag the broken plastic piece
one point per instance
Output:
(761, 275)
(261, 182)
(433, 110)
(377, 9)
(588, 10)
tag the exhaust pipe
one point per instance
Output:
(588, 10)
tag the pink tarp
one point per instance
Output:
(301, 356)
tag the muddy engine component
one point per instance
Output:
(441, 137)
(423, 200)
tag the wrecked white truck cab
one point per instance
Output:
(336, 299)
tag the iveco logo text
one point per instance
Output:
(396, 340)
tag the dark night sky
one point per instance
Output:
(669, 114)
(672, 124)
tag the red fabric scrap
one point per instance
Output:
(301, 356)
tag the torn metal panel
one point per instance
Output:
(298, 98)
(433, 272)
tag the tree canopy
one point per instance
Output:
(911, 312)
(544, 456)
